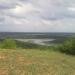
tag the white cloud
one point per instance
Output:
(23, 8)
(71, 8)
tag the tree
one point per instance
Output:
(8, 43)
(68, 46)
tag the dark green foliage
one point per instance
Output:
(68, 46)
(8, 43)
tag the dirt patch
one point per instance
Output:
(23, 60)
(3, 56)
(4, 71)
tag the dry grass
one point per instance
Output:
(35, 62)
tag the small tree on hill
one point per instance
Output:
(8, 43)
(68, 46)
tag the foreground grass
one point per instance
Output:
(35, 62)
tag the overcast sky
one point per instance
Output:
(37, 15)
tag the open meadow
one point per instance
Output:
(35, 62)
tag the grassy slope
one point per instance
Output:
(35, 62)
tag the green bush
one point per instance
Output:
(68, 46)
(8, 43)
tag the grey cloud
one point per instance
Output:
(16, 16)
(58, 10)
(25, 0)
(2, 19)
(51, 10)
(7, 6)
(69, 14)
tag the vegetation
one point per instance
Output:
(37, 60)
(8, 43)
(68, 46)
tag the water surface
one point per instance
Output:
(37, 41)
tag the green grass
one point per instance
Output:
(35, 62)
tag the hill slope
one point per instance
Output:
(35, 62)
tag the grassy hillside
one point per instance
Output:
(35, 62)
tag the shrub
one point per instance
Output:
(8, 43)
(68, 46)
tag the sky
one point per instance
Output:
(37, 15)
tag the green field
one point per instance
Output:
(35, 62)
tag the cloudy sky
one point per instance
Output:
(37, 15)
